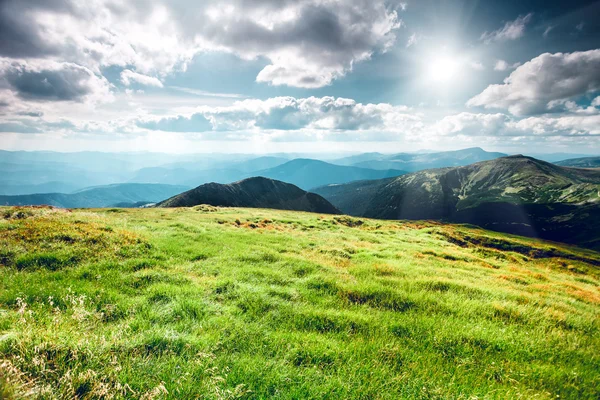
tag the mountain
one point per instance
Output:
(584, 162)
(100, 196)
(352, 198)
(307, 173)
(256, 192)
(419, 161)
(12, 188)
(555, 157)
(513, 194)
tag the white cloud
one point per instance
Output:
(412, 39)
(307, 43)
(512, 30)
(476, 65)
(540, 84)
(495, 125)
(128, 76)
(502, 65)
(325, 114)
(471, 124)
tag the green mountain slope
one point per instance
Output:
(584, 162)
(221, 303)
(513, 194)
(256, 192)
(307, 173)
(123, 194)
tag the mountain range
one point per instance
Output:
(419, 161)
(513, 194)
(255, 192)
(121, 195)
(583, 162)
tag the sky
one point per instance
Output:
(265, 76)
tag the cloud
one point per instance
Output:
(476, 65)
(291, 114)
(307, 43)
(543, 83)
(193, 123)
(566, 125)
(471, 124)
(128, 76)
(43, 80)
(412, 40)
(502, 65)
(512, 30)
(496, 125)
(18, 127)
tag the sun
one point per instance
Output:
(442, 69)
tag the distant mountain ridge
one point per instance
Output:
(257, 192)
(514, 194)
(419, 161)
(124, 194)
(308, 173)
(584, 162)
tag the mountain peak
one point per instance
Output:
(254, 192)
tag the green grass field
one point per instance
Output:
(249, 303)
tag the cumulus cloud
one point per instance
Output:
(128, 76)
(541, 84)
(495, 125)
(511, 30)
(308, 43)
(193, 123)
(290, 114)
(44, 80)
(502, 65)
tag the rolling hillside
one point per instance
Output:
(256, 192)
(124, 194)
(223, 303)
(308, 174)
(584, 162)
(513, 194)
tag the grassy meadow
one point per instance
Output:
(219, 303)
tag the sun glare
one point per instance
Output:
(443, 69)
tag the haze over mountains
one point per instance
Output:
(514, 194)
(49, 172)
(117, 195)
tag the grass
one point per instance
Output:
(245, 303)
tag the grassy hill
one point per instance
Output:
(255, 192)
(219, 303)
(513, 194)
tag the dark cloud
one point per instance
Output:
(55, 82)
(19, 34)
(31, 113)
(17, 127)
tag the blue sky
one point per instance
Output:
(292, 75)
